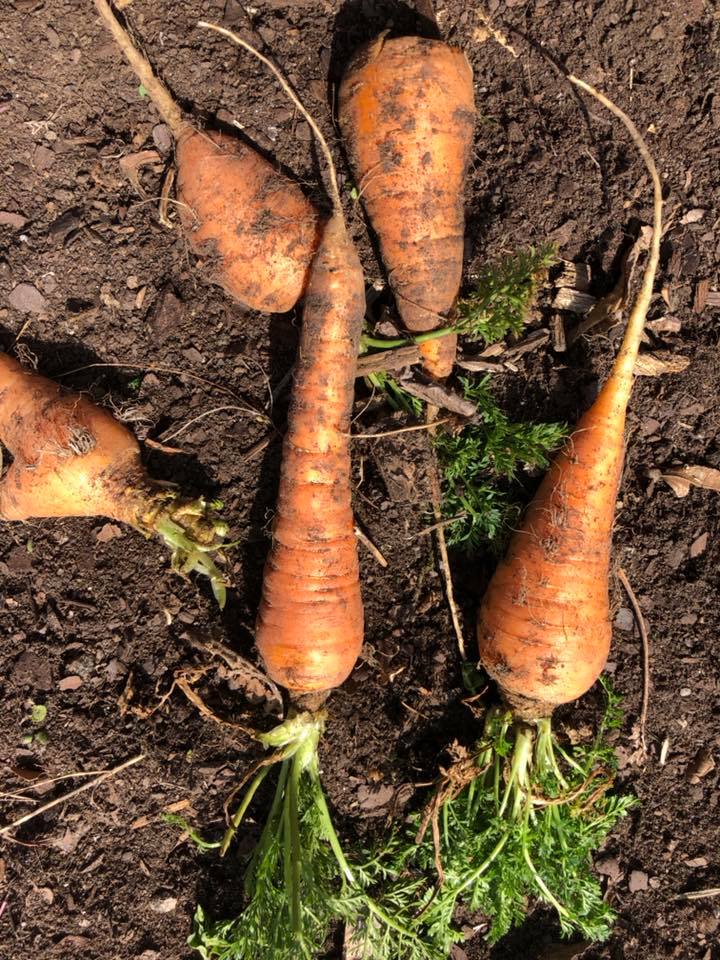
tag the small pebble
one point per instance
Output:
(27, 299)
(638, 880)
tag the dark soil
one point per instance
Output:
(85, 607)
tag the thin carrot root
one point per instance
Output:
(237, 209)
(407, 112)
(73, 459)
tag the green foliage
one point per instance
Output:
(299, 884)
(38, 714)
(525, 828)
(398, 398)
(177, 821)
(472, 460)
(503, 295)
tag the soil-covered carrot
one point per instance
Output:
(237, 209)
(310, 622)
(407, 112)
(73, 459)
(522, 815)
(309, 631)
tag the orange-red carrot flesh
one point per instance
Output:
(255, 225)
(70, 458)
(310, 621)
(407, 112)
(544, 624)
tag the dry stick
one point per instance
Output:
(159, 93)
(73, 793)
(37, 784)
(394, 433)
(640, 620)
(370, 546)
(334, 189)
(436, 495)
(171, 371)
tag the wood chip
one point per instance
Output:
(439, 396)
(387, 360)
(713, 299)
(701, 295)
(557, 330)
(656, 364)
(574, 301)
(578, 276)
(699, 546)
(680, 479)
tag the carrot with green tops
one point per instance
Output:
(237, 209)
(523, 815)
(407, 113)
(309, 632)
(73, 459)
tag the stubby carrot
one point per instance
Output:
(256, 226)
(73, 459)
(407, 111)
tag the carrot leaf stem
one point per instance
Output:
(526, 826)
(299, 882)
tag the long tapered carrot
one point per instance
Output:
(254, 224)
(407, 113)
(73, 459)
(544, 625)
(310, 620)
(309, 632)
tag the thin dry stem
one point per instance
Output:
(334, 189)
(436, 494)
(370, 546)
(625, 360)
(161, 96)
(642, 627)
(69, 796)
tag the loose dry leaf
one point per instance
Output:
(656, 364)
(680, 479)
(134, 162)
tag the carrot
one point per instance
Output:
(523, 814)
(236, 208)
(73, 459)
(544, 626)
(310, 622)
(407, 112)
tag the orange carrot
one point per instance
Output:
(407, 112)
(310, 623)
(521, 817)
(544, 624)
(236, 208)
(73, 459)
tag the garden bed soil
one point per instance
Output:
(117, 306)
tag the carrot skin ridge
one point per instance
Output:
(407, 112)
